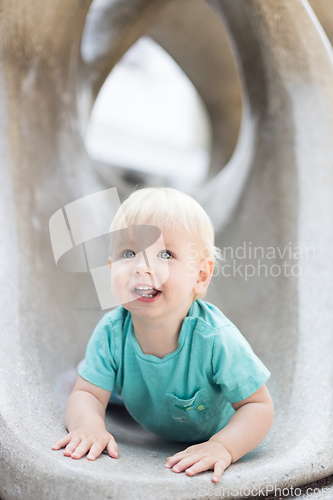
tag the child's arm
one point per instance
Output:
(245, 430)
(85, 413)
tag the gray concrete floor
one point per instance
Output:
(325, 487)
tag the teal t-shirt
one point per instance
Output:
(187, 394)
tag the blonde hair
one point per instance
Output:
(167, 207)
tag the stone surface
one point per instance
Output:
(276, 191)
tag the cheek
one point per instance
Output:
(161, 271)
(119, 284)
(180, 276)
(119, 273)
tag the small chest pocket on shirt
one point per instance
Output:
(199, 408)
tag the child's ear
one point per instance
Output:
(204, 275)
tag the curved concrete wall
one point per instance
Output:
(276, 191)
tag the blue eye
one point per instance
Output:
(128, 254)
(165, 254)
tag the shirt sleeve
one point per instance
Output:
(99, 367)
(237, 370)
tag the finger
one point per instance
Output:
(171, 461)
(62, 442)
(186, 462)
(74, 443)
(112, 448)
(203, 464)
(95, 451)
(219, 468)
(81, 450)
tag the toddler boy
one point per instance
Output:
(184, 370)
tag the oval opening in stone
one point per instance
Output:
(149, 123)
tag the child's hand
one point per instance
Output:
(200, 457)
(83, 439)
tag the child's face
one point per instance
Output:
(171, 267)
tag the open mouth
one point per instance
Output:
(146, 291)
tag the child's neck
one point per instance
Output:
(158, 337)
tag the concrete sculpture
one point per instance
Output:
(275, 192)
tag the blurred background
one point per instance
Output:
(149, 119)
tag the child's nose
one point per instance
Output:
(142, 265)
